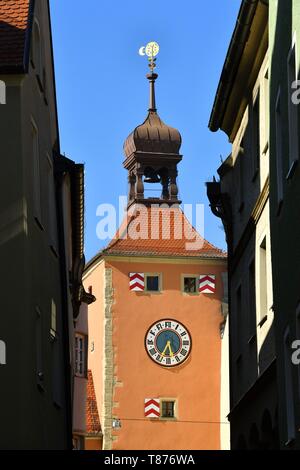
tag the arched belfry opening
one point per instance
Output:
(152, 155)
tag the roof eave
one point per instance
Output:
(232, 61)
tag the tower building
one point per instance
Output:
(155, 347)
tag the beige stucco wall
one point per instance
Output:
(80, 383)
(95, 277)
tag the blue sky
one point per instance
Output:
(103, 93)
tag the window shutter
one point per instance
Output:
(152, 407)
(207, 284)
(136, 282)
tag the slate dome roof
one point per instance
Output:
(153, 135)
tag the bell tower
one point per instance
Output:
(152, 155)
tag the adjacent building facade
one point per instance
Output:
(284, 30)
(257, 106)
(41, 239)
(241, 200)
(155, 347)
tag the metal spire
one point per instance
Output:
(151, 50)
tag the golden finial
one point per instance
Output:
(151, 50)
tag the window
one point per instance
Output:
(80, 355)
(266, 117)
(167, 408)
(78, 443)
(298, 338)
(190, 284)
(279, 130)
(240, 162)
(263, 286)
(239, 321)
(36, 55)
(252, 301)
(36, 173)
(51, 204)
(39, 349)
(289, 395)
(152, 282)
(292, 111)
(53, 320)
(256, 135)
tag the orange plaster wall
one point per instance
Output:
(95, 279)
(195, 384)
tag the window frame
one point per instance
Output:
(298, 337)
(263, 280)
(256, 133)
(53, 320)
(175, 409)
(159, 275)
(252, 300)
(194, 276)
(51, 203)
(266, 109)
(36, 174)
(293, 119)
(239, 291)
(77, 372)
(279, 146)
(288, 389)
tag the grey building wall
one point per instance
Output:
(34, 392)
(284, 32)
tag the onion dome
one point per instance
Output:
(153, 136)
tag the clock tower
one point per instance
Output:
(155, 330)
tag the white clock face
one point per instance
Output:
(152, 49)
(168, 343)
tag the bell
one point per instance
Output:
(151, 176)
(152, 179)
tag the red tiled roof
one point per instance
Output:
(149, 232)
(93, 425)
(14, 21)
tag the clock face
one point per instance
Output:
(168, 343)
(152, 49)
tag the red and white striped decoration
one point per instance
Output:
(152, 407)
(207, 284)
(136, 282)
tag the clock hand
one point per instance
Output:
(168, 346)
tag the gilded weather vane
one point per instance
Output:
(151, 50)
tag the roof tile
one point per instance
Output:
(160, 231)
(14, 17)
(93, 425)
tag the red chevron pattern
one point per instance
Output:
(136, 282)
(207, 284)
(152, 407)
